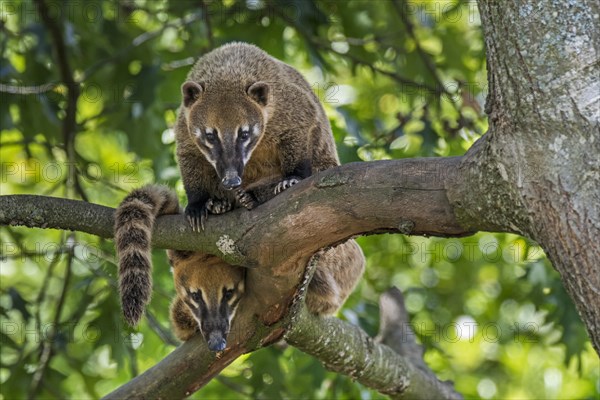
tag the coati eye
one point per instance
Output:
(196, 296)
(210, 136)
(244, 134)
(228, 294)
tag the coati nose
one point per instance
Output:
(231, 183)
(216, 341)
(231, 180)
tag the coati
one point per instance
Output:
(246, 116)
(208, 290)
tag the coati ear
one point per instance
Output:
(191, 92)
(259, 92)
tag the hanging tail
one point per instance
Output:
(134, 221)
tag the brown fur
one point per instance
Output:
(338, 269)
(200, 271)
(337, 273)
(235, 85)
(295, 138)
(134, 220)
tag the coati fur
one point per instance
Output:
(246, 116)
(208, 290)
(134, 220)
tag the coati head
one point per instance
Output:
(211, 290)
(226, 125)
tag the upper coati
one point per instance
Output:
(208, 290)
(245, 118)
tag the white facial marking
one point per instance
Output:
(197, 132)
(194, 290)
(232, 314)
(208, 157)
(255, 131)
(245, 128)
(207, 143)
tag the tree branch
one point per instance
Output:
(396, 332)
(407, 196)
(347, 349)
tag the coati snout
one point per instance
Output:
(226, 126)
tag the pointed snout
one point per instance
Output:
(216, 341)
(231, 180)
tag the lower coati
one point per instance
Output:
(208, 290)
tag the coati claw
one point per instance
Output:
(285, 184)
(196, 216)
(245, 199)
(218, 206)
(203, 218)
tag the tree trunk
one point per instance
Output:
(538, 169)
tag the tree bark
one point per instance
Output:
(538, 171)
(411, 200)
(349, 350)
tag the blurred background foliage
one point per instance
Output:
(397, 79)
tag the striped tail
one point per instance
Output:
(134, 221)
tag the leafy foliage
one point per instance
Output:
(397, 80)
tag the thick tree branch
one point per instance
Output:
(180, 374)
(405, 196)
(341, 347)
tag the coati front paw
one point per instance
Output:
(196, 214)
(218, 206)
(245, 199)
(286, 184)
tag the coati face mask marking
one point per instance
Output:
(213, 310)
(211, 290)
(226, 127)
